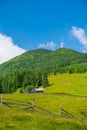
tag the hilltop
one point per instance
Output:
(44, 59)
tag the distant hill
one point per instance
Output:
(33, 67)
(44, 59)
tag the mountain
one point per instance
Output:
(33, 67)
(44, 59)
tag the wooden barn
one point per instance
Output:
(36, 90)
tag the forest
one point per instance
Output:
(32, 68)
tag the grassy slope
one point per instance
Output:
(16, 119)
(75, 84)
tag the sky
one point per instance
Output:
(49, 24)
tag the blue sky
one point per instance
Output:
(51, 24)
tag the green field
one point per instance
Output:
(70, 91)
(74, 84)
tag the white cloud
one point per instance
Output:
(80, 35)
(8, 49)
(62, 45)
(48, 45)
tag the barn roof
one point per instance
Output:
(39, 89)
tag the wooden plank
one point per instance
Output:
(71, 115)
(60, 110)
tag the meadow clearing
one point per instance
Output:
(68, 90)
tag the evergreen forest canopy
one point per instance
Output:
(32, 68)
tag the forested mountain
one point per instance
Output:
(44, 59)
(32, 68)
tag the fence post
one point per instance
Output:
(60, 110)
(33, 103)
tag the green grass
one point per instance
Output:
(17, 119)
(35, 119)
(21, 120)
(75, 84)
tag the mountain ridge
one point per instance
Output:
(60, 56)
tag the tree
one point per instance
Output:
(1, 85)
(45, 82)
(39, 79)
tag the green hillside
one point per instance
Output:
(68, 90)
(35, 119)
(32, 68)
(68, 84)
(44, 59)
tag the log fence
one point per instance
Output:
(31, 105)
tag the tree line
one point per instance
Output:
(21, 79)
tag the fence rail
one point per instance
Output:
(31, 105)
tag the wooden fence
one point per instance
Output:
(31, 105)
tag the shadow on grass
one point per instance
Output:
(66, 94)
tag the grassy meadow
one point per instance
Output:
(68, 90)
(74, 84)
